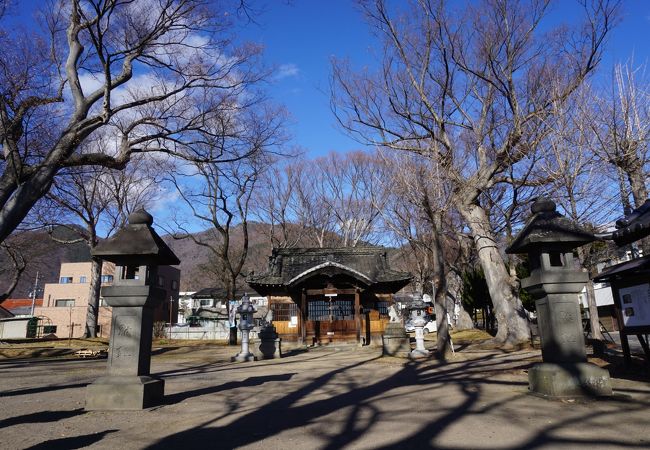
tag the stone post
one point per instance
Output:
(137, 251)
(555, 282)
(395, 340)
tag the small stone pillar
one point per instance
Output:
(245, 311)
(418, 309)
(137, 251)
(395, 340)
(549, 239)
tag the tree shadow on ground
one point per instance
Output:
(72, 442)
(40, 389)
(248, 382)
(357, 415)
(221, 366)
(40, 417)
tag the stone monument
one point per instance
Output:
(137, 251)
(270, 342)
(554, 282)
(395, 340)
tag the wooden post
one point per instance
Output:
(303, 305)
(357, 318)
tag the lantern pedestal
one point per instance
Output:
(124, 393)
(244, 355)
(128, 384)
(419, 351)
(569, 380)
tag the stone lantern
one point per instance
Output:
(555, 282)
(137, 251)
(246, 311)
(418, 312)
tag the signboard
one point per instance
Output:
(635, 305)
(293, 323)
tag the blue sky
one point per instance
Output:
(300, 37)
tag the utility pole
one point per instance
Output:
(34, 292)
(171, 309)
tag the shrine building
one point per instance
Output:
(322, 295)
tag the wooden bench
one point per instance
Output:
(88, 353)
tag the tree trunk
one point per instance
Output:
(464, 321)
(511, 317)
(230, 295)
(594, 319)
(640, 195)
(92, 314)
(440, 283)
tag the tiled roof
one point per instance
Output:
(289, 266)
(4, 313)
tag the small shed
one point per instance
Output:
(630, 283)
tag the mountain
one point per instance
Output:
(43, 255)
(46, 256)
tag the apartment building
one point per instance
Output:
(65, 303)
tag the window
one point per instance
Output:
(107, 278)
(65, 280)
(175, 285)
(130, 273)
(161, 281)
(330, 310)
(382, 307)
(284, 311)
(556, 259)
(82, 279)
(206, 302)
(64, 302)
(259, 301)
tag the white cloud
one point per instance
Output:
(287, 70)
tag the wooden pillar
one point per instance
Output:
(303, 306)
(357, 318)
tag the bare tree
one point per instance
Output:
(334, 199)
(218, 194)
(472, 89)
(221, 201)
(276, 202)
(413, 207)
(576, 178)
(98, 201)
(620, 119)
(145, 72)
(12, 273)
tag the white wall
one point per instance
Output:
(13, 328)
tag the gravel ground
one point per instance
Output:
(322, 399)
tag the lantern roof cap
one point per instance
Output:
(548, 228)
(136, 243)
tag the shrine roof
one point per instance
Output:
(289, 266)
